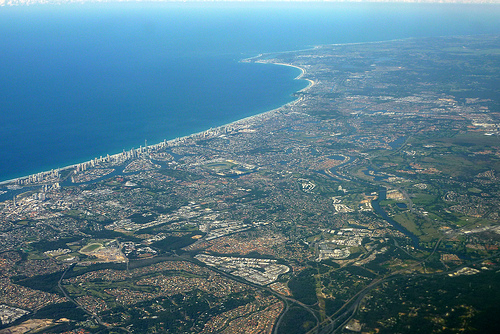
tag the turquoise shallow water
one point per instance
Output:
(80, 81)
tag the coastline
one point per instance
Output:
(307, 45)
(168, 143)
(299, 77)
(240, 122)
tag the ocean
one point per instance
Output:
(79, 81)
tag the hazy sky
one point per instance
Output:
(14, 2)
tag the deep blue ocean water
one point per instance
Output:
(83, 80)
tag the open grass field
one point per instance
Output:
(91, 248)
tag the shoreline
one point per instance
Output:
(168, 143)
(299, 77)
(246, 119)
(233, 123)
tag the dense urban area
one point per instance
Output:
(370, 204)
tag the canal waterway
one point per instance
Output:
(382, 193)
(378, 209)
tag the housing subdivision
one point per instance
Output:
(258, 271)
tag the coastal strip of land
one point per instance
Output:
(244, 122)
